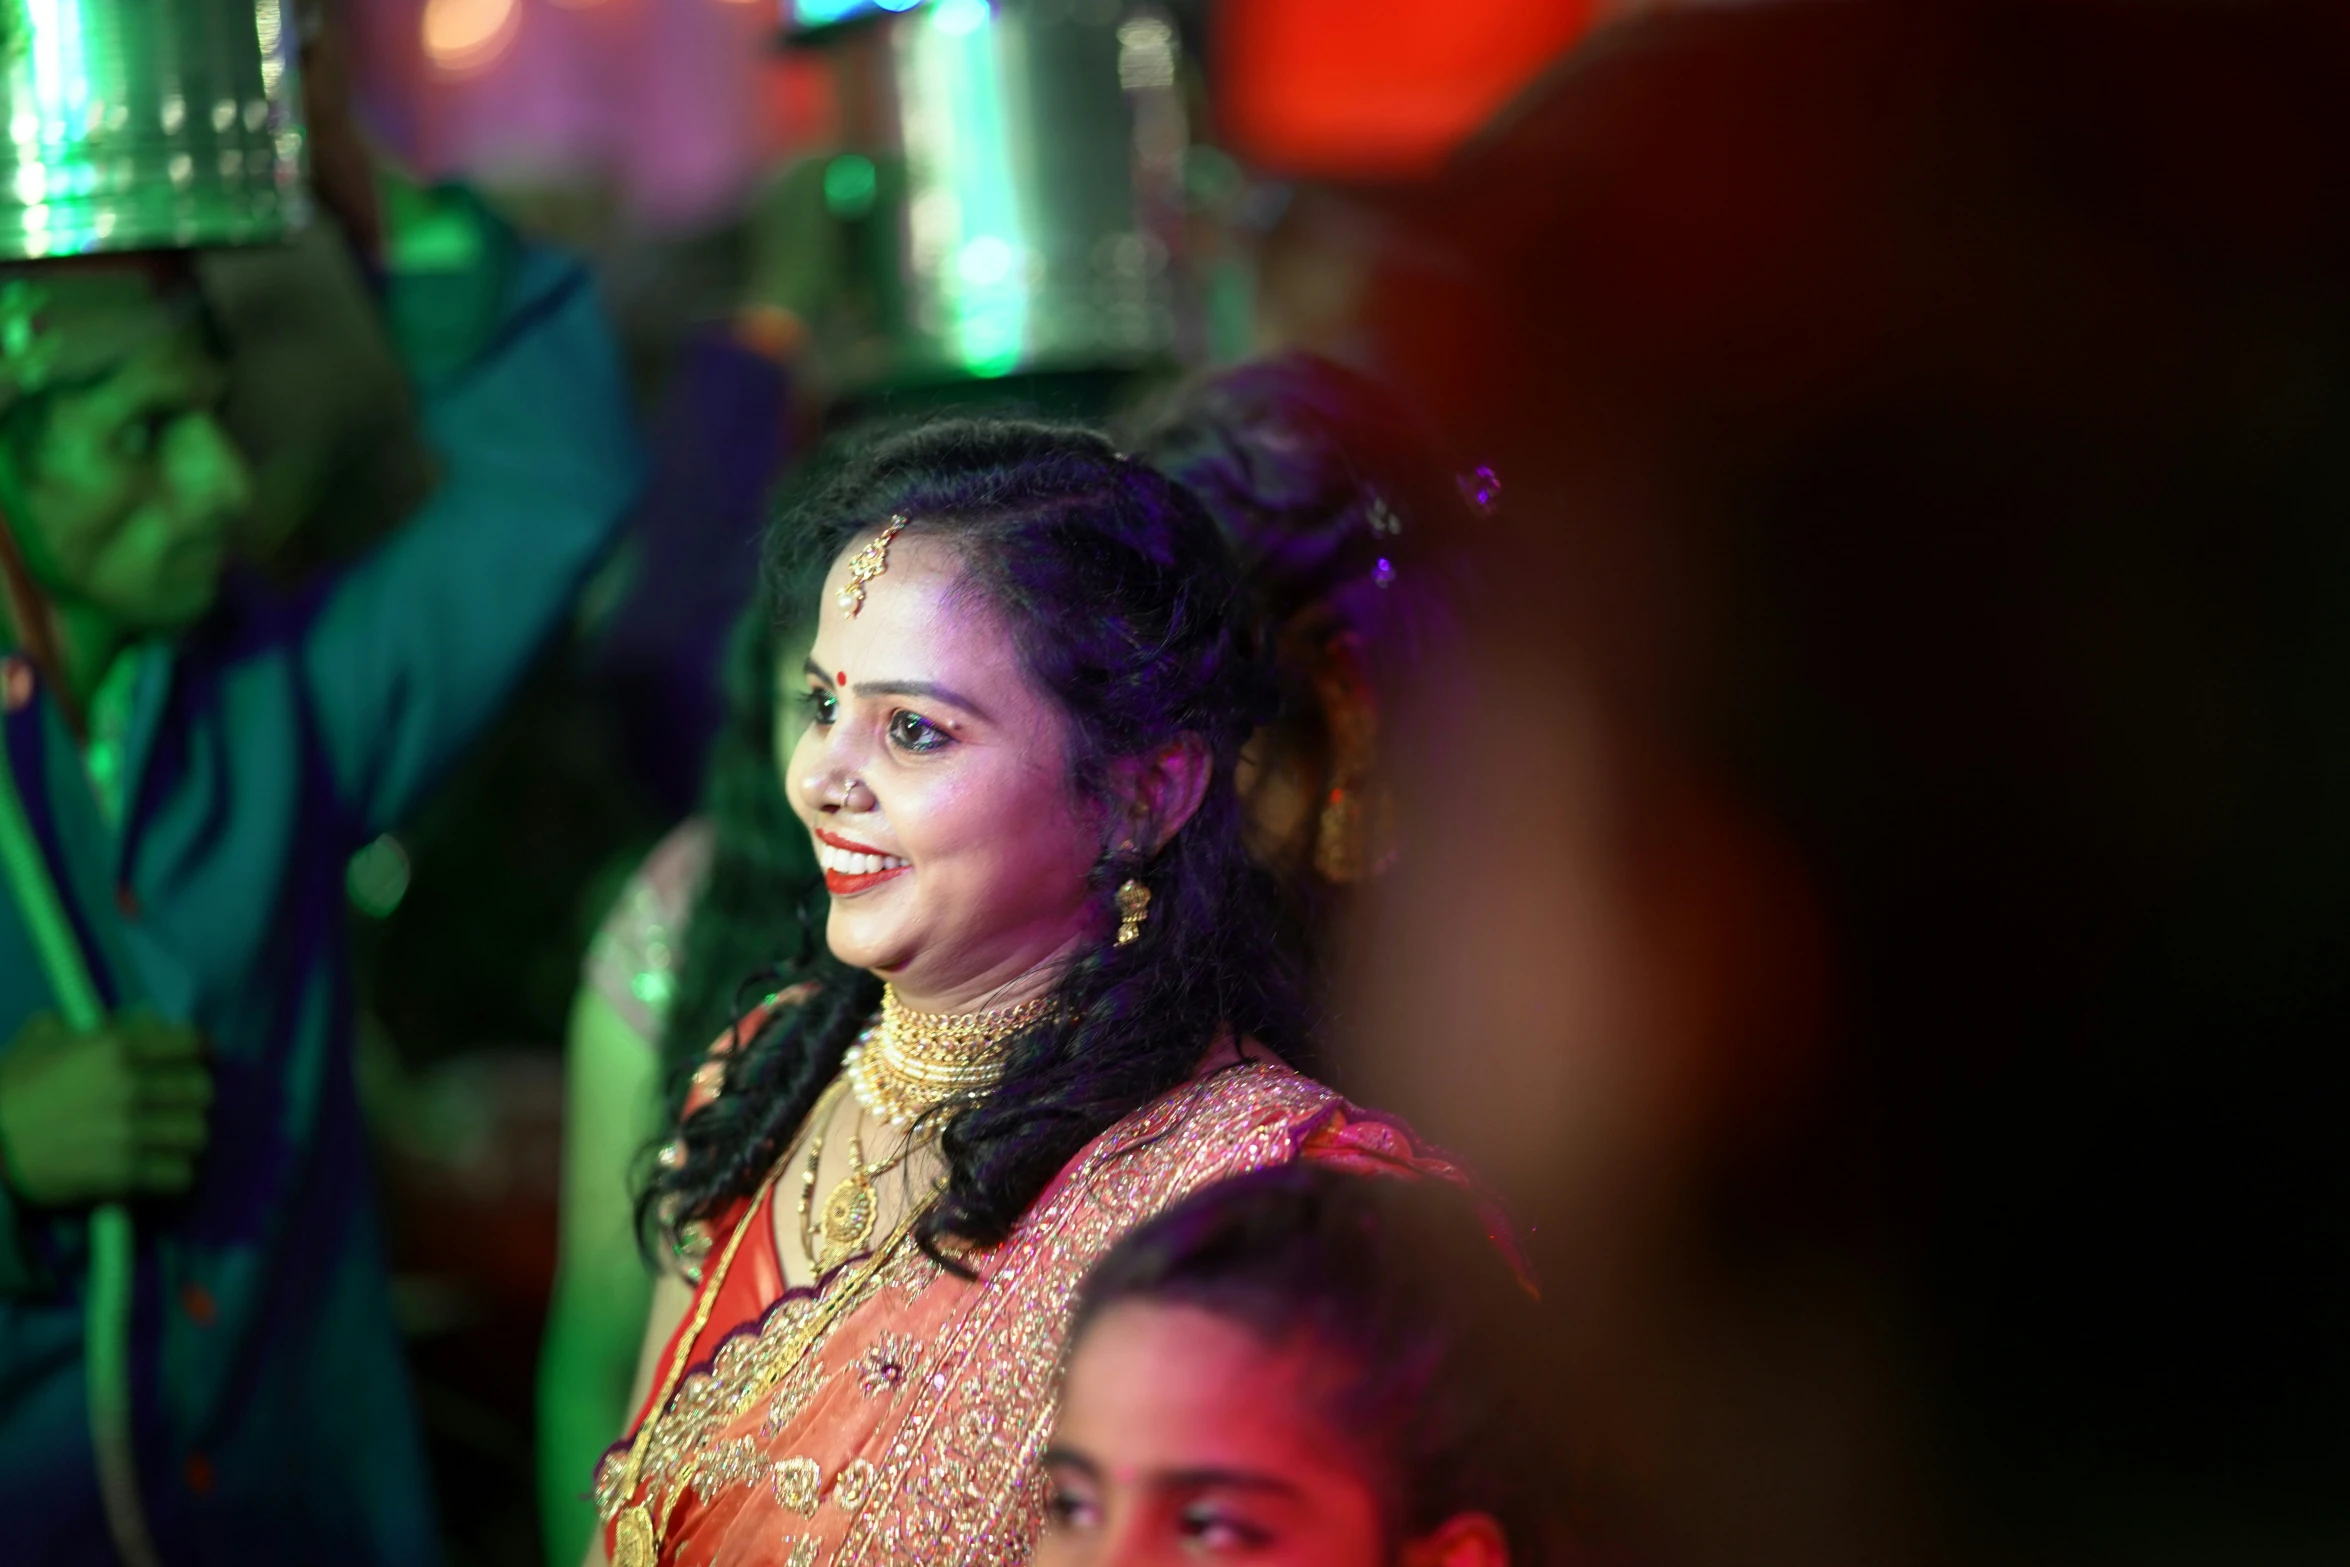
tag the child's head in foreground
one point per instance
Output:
(1296, 1367)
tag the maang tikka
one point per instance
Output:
(869, 563)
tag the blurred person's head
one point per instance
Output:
(1344, 523)
(1299, 1366)
(128, 415)
(118, 484)
(1913, 715)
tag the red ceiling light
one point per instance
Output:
(1376, 89)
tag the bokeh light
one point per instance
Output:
(465, 36)
(850, 182)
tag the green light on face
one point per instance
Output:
(848, 186)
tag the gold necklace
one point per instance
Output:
(853, 1208)
(818, 1119)
(910, 1063)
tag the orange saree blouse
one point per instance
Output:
(896, 1413)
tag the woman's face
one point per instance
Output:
(934, 776)
(1182, 1437)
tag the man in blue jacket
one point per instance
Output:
(190, 762)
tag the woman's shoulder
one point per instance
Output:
(1239, 1089)
(1256, 1113)
(632, 962)
(1250, 1113)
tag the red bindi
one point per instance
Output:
(841, 679)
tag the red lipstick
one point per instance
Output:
(843, 884)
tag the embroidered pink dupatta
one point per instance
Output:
(896, 1413)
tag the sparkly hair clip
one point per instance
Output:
(869, 563)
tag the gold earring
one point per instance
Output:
(1134, 906)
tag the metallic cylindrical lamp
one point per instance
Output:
(1011, 193)
(147, 124)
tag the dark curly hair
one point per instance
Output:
(1127, 610)
(753, 914)
(1396, 1286)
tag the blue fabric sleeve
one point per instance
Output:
(411, 652)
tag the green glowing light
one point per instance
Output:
(50, 75)
(966, 145)
(957, 17)
(100, 104)
(823, 13)
(848, 186)
(377, 877)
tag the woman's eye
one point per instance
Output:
(822, 705)
(1069, 1509)
(1213, 1529)
(913, 732)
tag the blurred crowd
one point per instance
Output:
(1059, 780)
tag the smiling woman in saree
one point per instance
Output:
(1049, 1009)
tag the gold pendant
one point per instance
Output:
(849, 1216)
(633, 1544)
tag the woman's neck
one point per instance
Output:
(1005, 985)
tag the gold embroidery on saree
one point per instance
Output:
(610, 1474)
(798, 1484)
(729, 1463)
(959, 1483)
(799, 1385)
(852, 1484)
(888, 1362)
(910, 1273)
(747, 1367)
(956, 1482)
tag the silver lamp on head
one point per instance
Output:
(148, 125)
(1011, 192)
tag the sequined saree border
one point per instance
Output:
(958, 1479)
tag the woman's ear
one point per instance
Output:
(1162, 788)
(1463, 1540)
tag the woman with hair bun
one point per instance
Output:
(1050, 1008)
(1350, 536)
